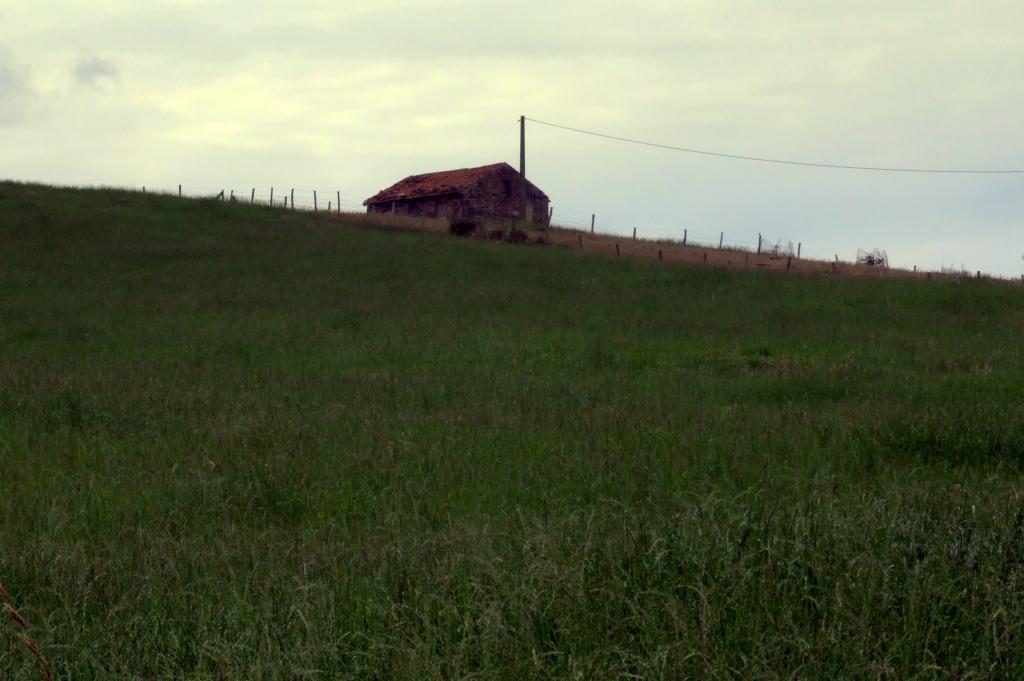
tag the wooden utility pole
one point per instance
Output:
(522, 168)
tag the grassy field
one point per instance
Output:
(239, 443)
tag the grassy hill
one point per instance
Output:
(242, 443)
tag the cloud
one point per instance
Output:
(361, 94)
(95, 72)
(15, 93)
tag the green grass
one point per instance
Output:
(241, 443)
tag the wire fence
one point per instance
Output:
(278, 197)
(334, 201)
(759, 243)
(762, 244)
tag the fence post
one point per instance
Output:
(659, 254)
(789, 262)
(339, 202)
(328, 206)
(271, 197)
(232, 196)
(685, 234)
(293, 199)
(579, 237)
(837, 257)
(798, 247)
(617, 248)
(634, 234)
(593, 216)
(252, 197)
(759, 244)
(551, 211)
(705, 257)
(314, 200)
(721, 238)
(179, 190)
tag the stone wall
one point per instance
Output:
(497, 196)
(444, 207)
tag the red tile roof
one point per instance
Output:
(433, 184)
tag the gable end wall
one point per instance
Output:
(488, 199)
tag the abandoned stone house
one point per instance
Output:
(466, 194)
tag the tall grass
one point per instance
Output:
(242, 443)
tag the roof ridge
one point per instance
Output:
(435, 183)
(459, 170)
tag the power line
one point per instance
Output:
(775, 160)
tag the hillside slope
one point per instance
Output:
(244, 443)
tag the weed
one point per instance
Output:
(240, 442)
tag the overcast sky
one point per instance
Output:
(354, 96)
